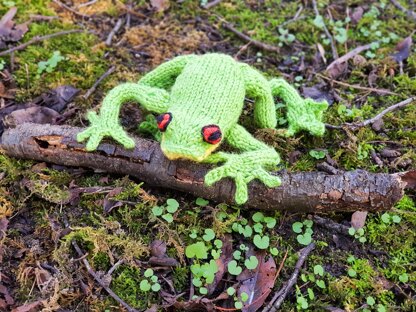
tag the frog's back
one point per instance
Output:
(210, 85)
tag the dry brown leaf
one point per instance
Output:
(160, 5)
(257, 283)
(358, 219)
(403, 50)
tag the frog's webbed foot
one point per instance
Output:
(102, 127)
(244, 168)
(307, 116)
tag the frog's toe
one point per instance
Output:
(214, 175)
(268, 179)
(241, 191)
(124, 139)
(92, 117)
(82, 136)
(94, 141)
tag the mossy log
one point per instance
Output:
(302, 192)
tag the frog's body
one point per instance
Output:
(200, 99)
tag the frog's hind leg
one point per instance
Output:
(302, 114)
(258, 89)
(164, 75)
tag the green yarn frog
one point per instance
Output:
(200, 99)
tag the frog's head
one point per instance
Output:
(188, 138)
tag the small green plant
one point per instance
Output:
(358, 234)
(2, 63)
(389, 218)
(285, 37)
(201, 202)
(167, 211)
(301, 301)
(317, 154)
(151, 282)
(304, 229)
(50, 65)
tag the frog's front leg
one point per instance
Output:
(251, 164)
(106, 124)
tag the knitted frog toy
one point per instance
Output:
(200, 99)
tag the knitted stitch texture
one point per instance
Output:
(200, 99)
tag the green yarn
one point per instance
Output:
(200, 99)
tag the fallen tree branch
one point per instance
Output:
(99, 280)
(278, 299)
(304, 191)
(39, 39)
(258, 44)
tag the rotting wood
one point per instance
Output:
(305, 191)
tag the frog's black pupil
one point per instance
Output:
(215, 136)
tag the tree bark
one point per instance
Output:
(303, 192)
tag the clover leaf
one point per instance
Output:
(218, 243)
(198, 250)
(318, 270)
(251, 263)
(237, 255)
(270, 222)
(157, 211)
(297, 227)
(201, 202)
(234, 268)
(231, 291)
(148, 273)
(304, 239)
(209, 235)
(172, 205)
(258, 217)
(156, 287)
(274, 251)
(244, 296)
(168, 217)
(145, 285)
(261, 242)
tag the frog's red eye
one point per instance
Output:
(212, 134)
(163, 121)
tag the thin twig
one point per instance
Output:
(350, 55)
(258, 44)
(211, 4)
(92, 89)
(304, 253)
(333, 47)
(63, 5)
(409, 13)
(384, 112)
(295, 17)
(101, 282)
(39, 39)
(380, 91)
(115, 266)
(331, 225)
(86, 4)
(367, 122)
(116, 28)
